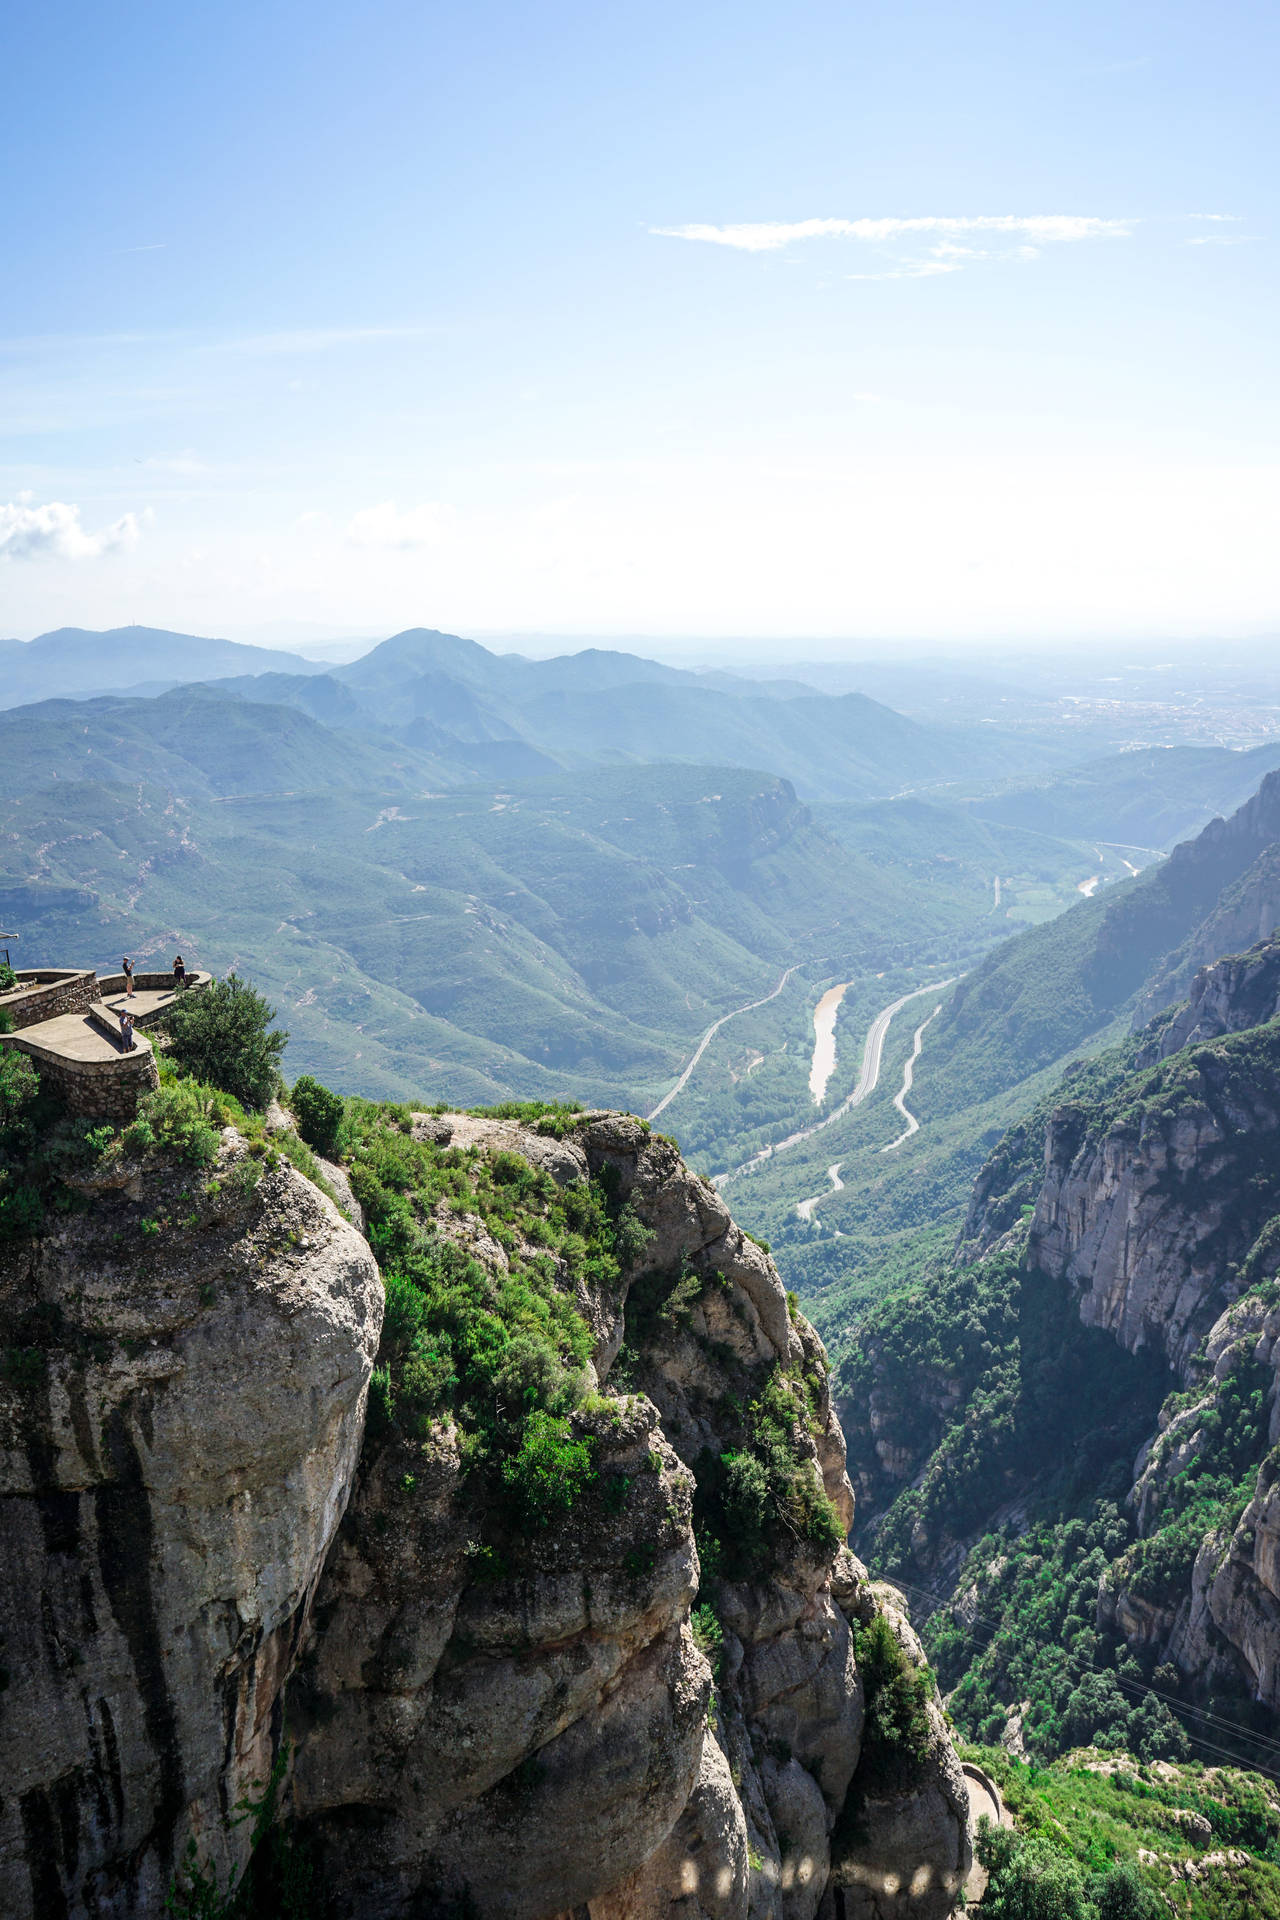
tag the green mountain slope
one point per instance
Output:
(201, 740)
(575, 936)
(1140, 801)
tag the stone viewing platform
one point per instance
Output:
(67, 1020)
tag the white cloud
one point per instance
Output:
(184, 466)
(914, 270)
(767, 236)
(386, 527)
(53, 531)
(318, 339)
(1219, 239)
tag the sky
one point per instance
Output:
(903, 322)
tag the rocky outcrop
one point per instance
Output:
(525, 1725)
(904, 1851)
(186, 1363)
(1228, 996)
(1148, 1206)
(485, 1714)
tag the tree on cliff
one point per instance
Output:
(223, 1036)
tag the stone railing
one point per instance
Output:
(43, 993)
(149, 982)
(108, 1089)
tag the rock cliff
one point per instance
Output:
(621, 1677)
(526, 1723)
(185, 1368)
(1114, 1293)
(1150, 1202)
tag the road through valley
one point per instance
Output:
(709, 1036)
(868, 1079)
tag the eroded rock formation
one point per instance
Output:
(183, 1403)
(470, 1702)
(509, 1721)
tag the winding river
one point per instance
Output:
(824, 1041)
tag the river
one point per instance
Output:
(824, 1041)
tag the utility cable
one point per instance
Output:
(1130, 1686)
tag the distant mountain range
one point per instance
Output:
(481, 715)
(74, 661)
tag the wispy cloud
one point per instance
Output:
(1218, 239)
(767, 236)
(183, 466)
(386, 527)
(152, 246)
(318, 339)
(53, 531)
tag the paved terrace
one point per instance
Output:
(68, 1022)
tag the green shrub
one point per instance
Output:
(1031, 1879)
(747, 1506)
(317, 1112)
(1122, 1894)
(556, 1118)
(222, 1034)
(178, 1117)
(551, 1468)
(8, 978)
(19, 1084)
(21, 1211)
(708, 1636)
(898, 1734)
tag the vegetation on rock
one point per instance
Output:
(223, 1035)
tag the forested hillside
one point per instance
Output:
(1113, 1299)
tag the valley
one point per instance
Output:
(933, 1049)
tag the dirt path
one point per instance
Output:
(709, 1036)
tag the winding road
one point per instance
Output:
(868, 1080)
(806, 1207)
(908, 1075)
(709, 1036)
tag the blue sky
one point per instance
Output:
(902, 321)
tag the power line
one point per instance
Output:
(1130, 1686)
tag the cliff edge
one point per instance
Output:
(568, 1623)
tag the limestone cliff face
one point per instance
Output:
(526, 1725)
(1148, 1212)
(483, 1716)
(1224, 1626)
(1161, 1208)
(1227, 996)
(180, 1418)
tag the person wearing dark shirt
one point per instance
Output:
(179, 974)
(127, 965)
